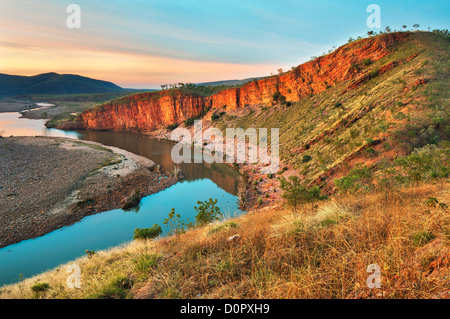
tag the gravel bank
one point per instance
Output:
(47, 183)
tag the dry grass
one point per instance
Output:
(314, 254)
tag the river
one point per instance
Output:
(115, 227)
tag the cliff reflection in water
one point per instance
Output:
(159, 151)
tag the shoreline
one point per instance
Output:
(59, 181)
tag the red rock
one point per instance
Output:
(149, 111)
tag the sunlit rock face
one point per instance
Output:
(150, 111)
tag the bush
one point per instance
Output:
(189, 121)
(122, 282)
(223, 227)
(110, 293)
(90, 253)
(359, 178)
(176, 225)
(306, 158)
(424, 164)
(144, 263)
(260, 201)
(171, 127)
(367, 62)
(147, 233)
(295, 193)
(373, 74)
(39, 288)
(207, 212)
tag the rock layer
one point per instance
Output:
(149, 111)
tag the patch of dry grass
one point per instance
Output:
(312, 254)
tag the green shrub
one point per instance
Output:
(224, 226)
(373, 74)
(144, 263)
(122, 282)
(171, 127)
(424, 164)
(110, 293)
(207, 212)
(189, 121)
(295, 193)
(306, 158)
(359, 178)
(39, 289)
(176, 225)
(147, 233)
(367, 62)
(90, 253)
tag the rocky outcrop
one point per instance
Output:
(149, 111)
(140, 112)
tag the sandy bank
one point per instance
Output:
(47, 183)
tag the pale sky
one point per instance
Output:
(142, 44)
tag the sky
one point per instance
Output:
(146, 43)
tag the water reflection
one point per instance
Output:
(11, 124)
(159, 151)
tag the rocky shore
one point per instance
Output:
(47, 183)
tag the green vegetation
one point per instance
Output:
(176, 225)
(147, 233)
(207, 212)
(90, 253)
(297, 194)
(172, 127)
(39, 289)
(388, 106)
(278, 254)
(359, 178)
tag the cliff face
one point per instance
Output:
(149, 111)
(140, 112)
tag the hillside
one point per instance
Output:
(274, 253)
(367, 123)
(363, 106)
(337, 68)
(53, 83)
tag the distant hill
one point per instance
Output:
(53, 83)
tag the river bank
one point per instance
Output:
(256, 189)
(47, 183)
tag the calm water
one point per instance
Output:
(114, 227)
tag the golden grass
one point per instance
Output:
(313, 254)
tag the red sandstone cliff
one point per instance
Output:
(149, 111)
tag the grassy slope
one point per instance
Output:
(314, 254)
(317, 254)
(398, 107)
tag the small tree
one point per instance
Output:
(176, 225)
(39, 288)
(314, 195)
(207, 212)
(293, 191)
(416, 26)
(296, 194)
